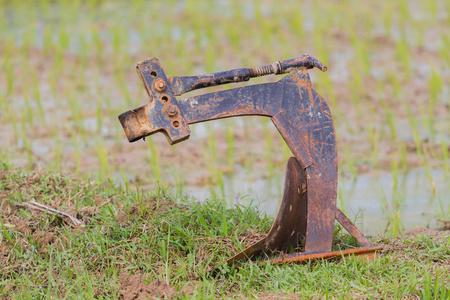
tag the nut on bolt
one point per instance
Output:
(172, 111)
(159, 85)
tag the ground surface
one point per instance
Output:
(135, 245)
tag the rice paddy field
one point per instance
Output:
(67, 70)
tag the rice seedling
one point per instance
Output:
(233, 32)
(390, 119)
(341, 199)
(402, 153)
(432, 7)
(415, 131)
(9, 69)
(420, 34)
(28, 114)
(75, 110)
(435, 87)
(28, 38)
(427, 168)
(26, 143)
(97, 41)
(356, 90)
(179, 188)
(359, 46)
(221, 183)
(326, 84)
(53, 81)
(37, 97)
(210, 59)
(319, 46)
(154, 158)
(350, 162)
(445, 156)
(56, 150)
(395, 172)
(103, 157)
(14, 120)
(402, 54)
(443, 49)
(394, 225)
(374, 138)
(395, 83)
(99, 116)
(230, 147)
(402, 8)
(125, 92)
(76, 148)
(47, 41)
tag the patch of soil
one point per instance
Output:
(43, 238)
(134, 287)
(399, 245)
(149, 207)
(250, 237)
(436, 234)
(445, 225)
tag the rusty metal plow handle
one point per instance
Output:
(184, 84)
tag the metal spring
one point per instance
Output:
(261, 71)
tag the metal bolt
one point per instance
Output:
(159, 85)
(172, 111)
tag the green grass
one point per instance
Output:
(179, 243)
(66, 63)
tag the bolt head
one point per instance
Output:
(159, 85)
(172, 111)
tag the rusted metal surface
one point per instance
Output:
(308, 209)
(369, 253)
(182, 85)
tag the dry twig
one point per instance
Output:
(47, 209)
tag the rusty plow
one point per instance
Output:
(307, 213)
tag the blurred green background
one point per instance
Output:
(67, 72)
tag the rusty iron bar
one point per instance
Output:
(308, 209)
(184, 84)
(368, 253)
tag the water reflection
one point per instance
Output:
(369, 199)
